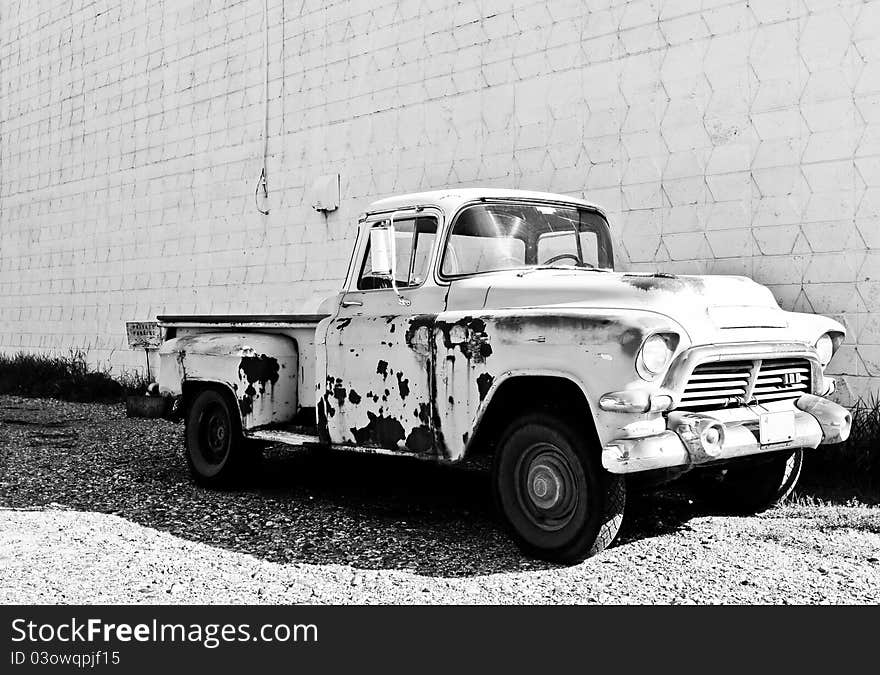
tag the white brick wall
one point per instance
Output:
(723, 136)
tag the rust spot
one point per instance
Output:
(382, 368)
(339, 392)
(354, 397)
(663, 282)
(181, 361)
(329, 391)
(419, 439)
(382, 431)
(261, 371)
(469, 336)
(403, 385)
(478, 340)
(545, 323)
(416, 322)
(323, 432)
(424, 413)
(586, 330)
(630, 341)
(484, 383)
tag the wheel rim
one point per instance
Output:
(215, 433)
(547, 491)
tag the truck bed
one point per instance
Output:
(298, 327)
(233, 320)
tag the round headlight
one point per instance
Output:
(655, 354)
(825, 349)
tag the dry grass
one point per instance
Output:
(69, 377)
(852, 466)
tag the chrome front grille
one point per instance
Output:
(729, 384)
(782, 378)
(721, 384)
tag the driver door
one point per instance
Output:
(379, 378)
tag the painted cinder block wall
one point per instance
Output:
(722, 136)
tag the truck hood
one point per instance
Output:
(710, 309)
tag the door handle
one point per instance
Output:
(352, 303)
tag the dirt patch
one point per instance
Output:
(104, 511)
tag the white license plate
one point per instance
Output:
(776, 427)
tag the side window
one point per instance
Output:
(422, 247)
(590, 248)
(413, 242)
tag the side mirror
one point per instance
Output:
(383, 256)
(381, 251)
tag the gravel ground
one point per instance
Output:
(96, 508)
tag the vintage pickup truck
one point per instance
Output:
(492, 323)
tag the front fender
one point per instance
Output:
(593, 348)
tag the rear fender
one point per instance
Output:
(259, 369)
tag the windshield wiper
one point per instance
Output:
(579, 268)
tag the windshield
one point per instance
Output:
(492, 237)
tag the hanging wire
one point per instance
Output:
(263, 182)
(263, 185)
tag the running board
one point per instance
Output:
(281, 436)
(309, 440)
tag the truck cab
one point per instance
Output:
(493, 323)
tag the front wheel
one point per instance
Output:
(216, 452)
(752, 485)
(558, 502)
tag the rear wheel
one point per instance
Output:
(558, 502)
(216, 452)
(752, 485)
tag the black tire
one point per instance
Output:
(558, 502)
(752, 485)
(216, 452)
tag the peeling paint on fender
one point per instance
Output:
(261, 371)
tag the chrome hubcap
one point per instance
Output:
(545, 486)
(215, 435)
(549, 490)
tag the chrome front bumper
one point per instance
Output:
(817, 421)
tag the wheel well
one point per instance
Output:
(530, 393)
(190, 389)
